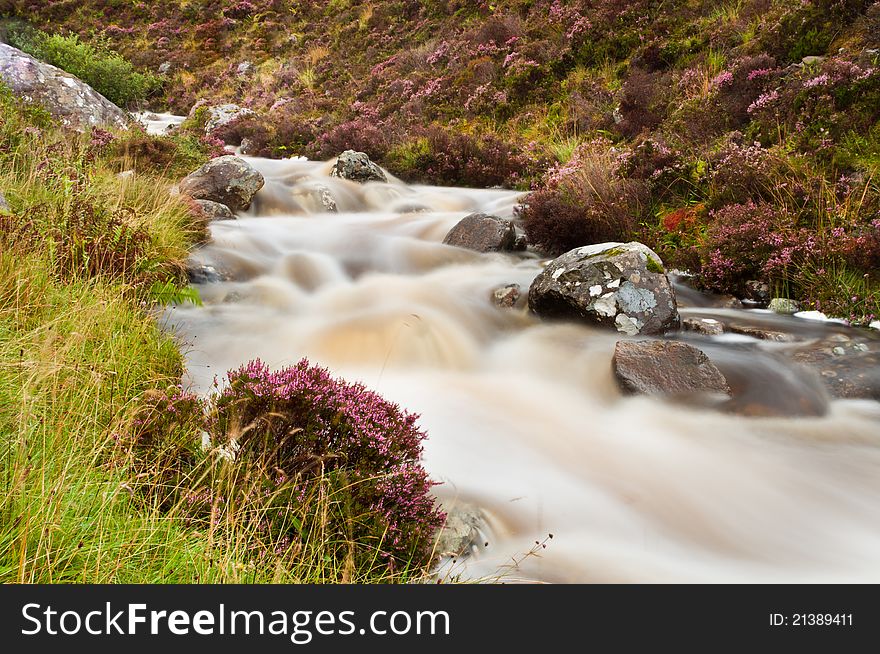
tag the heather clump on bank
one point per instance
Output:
(322, 475)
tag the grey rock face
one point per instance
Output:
(483, 233)
(222, 114)
(621, 286)
(357, 167)
(228, 180)
(214, 210)
(4, 205)
(73, 102)
(665, 368)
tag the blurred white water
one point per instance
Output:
(158, 124)
(524, 418)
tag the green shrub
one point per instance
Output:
(97, 65)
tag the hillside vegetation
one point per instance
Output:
(740, 139)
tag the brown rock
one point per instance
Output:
(665, 368)
(707, 326)
(483, 233)
(761, 333)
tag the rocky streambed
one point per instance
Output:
(658, 433)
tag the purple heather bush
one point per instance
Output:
(438, 156)
(304, 460)
(741, 172)
(321, 433)
(643, 102)
(762, 241)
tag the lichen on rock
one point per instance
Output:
(613, 285)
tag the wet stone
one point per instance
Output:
(757, 293)
(357, 167)
(666, 368)
(506, 297)
(706, 326)
(761, 333)
(226, 180)
(851, 372)
(483, 233)
(214, 210)
(463, 532)
(622, 286)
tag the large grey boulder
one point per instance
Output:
(483, 233)
(73, 102)
(618, 285)
(228, 180)
(665, 368)
(4, 205)
(357, 167)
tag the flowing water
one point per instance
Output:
(524, 418)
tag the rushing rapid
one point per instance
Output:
(525, 420)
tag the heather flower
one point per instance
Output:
(302, 423)
(763, 101)
(759, 73)
(821, 80)
(722, 79)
